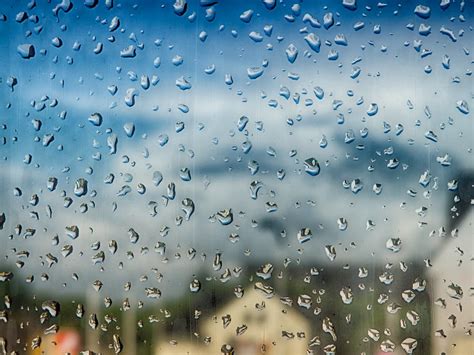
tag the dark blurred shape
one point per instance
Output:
(458, 206)
(463, 195)
(274, 226)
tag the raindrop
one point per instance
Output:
(311, 166)
(80, 187)
(117, 344)
(394, 244)
(291, 53)
(342, 223)
(225, 217)
(254, 72)
(330, 252)
(255, 186)
(346, 295)
(455, 291)
(462, 106)
(26, 50)
(180, 7)
(313, 42)
(373, 109)
(129, 129)
(409, 345)
(304, 235)
(242, 123)
(195, 286)
(265, 271)
(188, 208)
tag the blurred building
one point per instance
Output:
(269, 326)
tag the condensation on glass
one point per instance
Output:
(236, 177)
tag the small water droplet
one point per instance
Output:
(304, 235)
(342, 223)
(225, 217)
(195, 286)
(373, 109)
(462, 106)
(330, 251)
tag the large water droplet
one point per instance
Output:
(311, 166)
(409, 345)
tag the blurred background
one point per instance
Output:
(207, 177)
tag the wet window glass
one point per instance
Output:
(236, 177)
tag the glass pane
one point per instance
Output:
(236, 177)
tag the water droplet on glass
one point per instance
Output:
(265, 271)
(187, 205)
(342, 223)
(346, 295)
(242, 123)
(304, 235)
(26, 50)
(255, 186)
(462, 106)
(129, 129)
(394, 244)
(330, 251)
(195, 286)
(455, 291)
(387, 346)
(373, 109)
(80, 187)
(72, 231)
(313, 42)
(328, 327)
(225, 217)
(409, 345)
(311, 166)
(254, 72)
(291, 53)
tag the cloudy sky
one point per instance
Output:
(422, 123)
